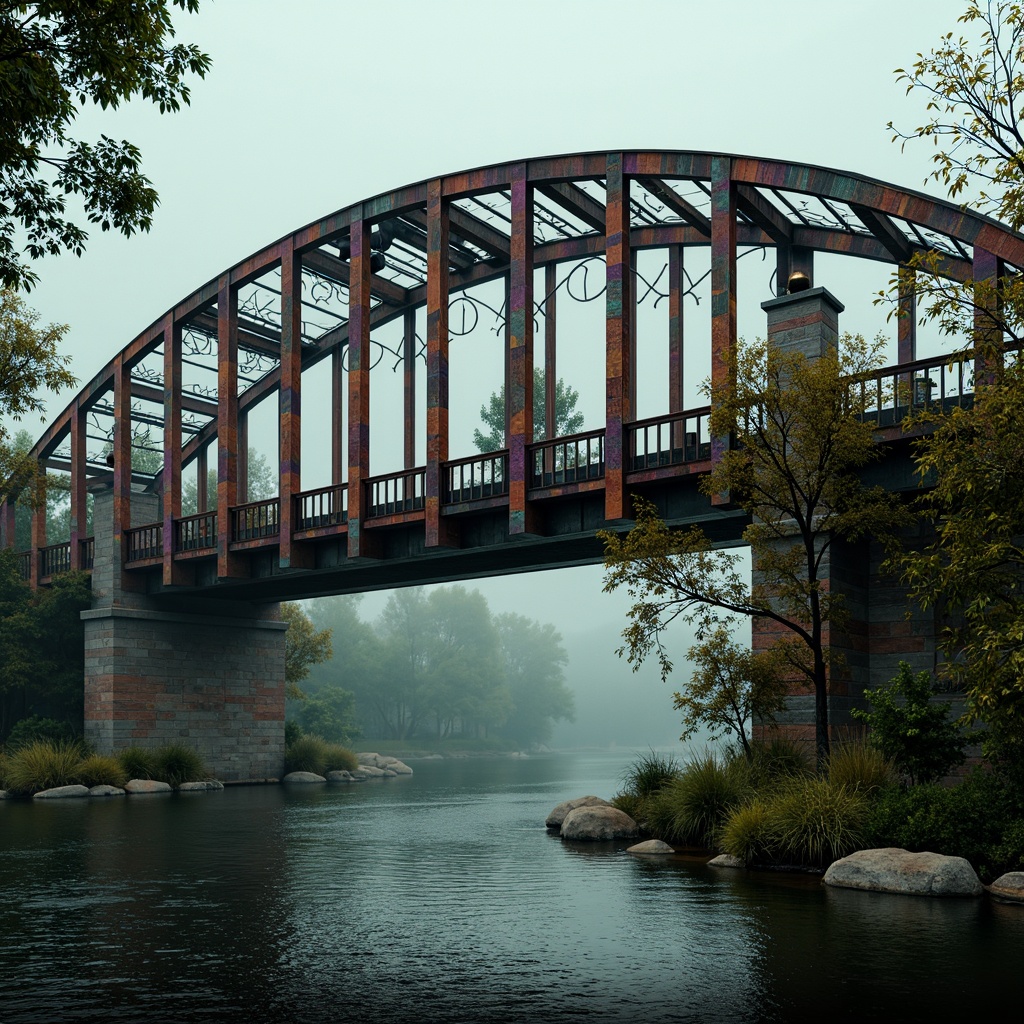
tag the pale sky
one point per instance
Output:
(315, 104)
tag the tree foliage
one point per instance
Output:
(800, 440)
(55, 58)
(911, 729)
(567, 419)
(304, 646)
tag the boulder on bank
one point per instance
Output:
(200, 787)
(106, 791)
(898, 871)
(62, 793)
(594, 823)
(726, 860)
(1009, 887)
(139, 786)
(340, 775)
(384, 762)
(651, 847)
(557, 816)
(303, 777)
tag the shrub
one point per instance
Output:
(631, 804)
(859, 766)
(692, 807)
(306, 754)
(137, 762)
(292, 732)
(814, 822)
(747, 833)
(649, 773)
(42, 764)
(777, 760)
(176, 763)
(101, 770)
(339, 758)
(3, 770)
(34, 728)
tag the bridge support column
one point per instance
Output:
(210, 677)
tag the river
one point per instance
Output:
(441, 897)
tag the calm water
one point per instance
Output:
(440, 897)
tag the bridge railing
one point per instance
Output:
(256, 520)
(476, 477)
(397, 492)
(566, 460)
(24, 559)
(55, 558)
(326, 506)
(146, 541)
(670, 440)
(88, 557)
(195, 532)
(896, 392)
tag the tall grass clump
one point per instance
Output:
(815, 821)
(176, 763)
(101, 770)
(3, 770)
(339, 758)
(307, 754)
(42, 764)
(859, 766)
(138, 762)
(776, 761)
(692, 807)
(748, 833)
(649, 773)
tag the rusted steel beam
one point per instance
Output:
(359, 544)
(550, 348)
(189, 402)
(254, 337)
(172, 401)
(675, 329)
(122, 452)
(439, 531)
(242, 480)
(338, 424)
(291, 554)
(202, 480)
(335, 269)
(679, 206)
(723, 293)
(618, 341)
(896, 243)
(38, 527)
(988, 335)
(522, 518)
(7, 522)
(906, 324)
(228, 564)
(79, 478)
(479, 233)
(416, 233)
(409, 389)
(574, 200)
(771, 220)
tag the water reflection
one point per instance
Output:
(440, 896)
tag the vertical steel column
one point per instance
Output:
(988, 335)
(550, 338)
(291, 555)
(618, 340)
(202, 476)
(228, 564)
(79, 497)
(519, 382)
(723, 293)
(675, 328)
(507, 350)
(242, 473)
(122, 467)
(358, 388)
(38, 529)
(337, 417)
(172, 573)
(439, 533)
(906, 324)
(7, 522)
(409, 389)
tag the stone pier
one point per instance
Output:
(209, 675)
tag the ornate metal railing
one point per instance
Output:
(896, 392)
(323, 507)
(479, 476)
(670, 440)
(255, 520)
(146, 541)
(566, 460)
(196, 532)
(396, 492)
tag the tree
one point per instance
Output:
(329, 713)
(304, 645)
(567, 419)
(730, 686)
(29, 364)
(969, 462)
(800, 441)
(55, 57)
(911, 729)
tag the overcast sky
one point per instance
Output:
(315, 104)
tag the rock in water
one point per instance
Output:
(106, 791)
(914, 874)
(652, 846)
(138, 786)
(594, 823)
(557, 816)
(1009, 887)
(62, 793)
(303, 777)
(725, 860)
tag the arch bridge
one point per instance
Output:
(178, 399)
